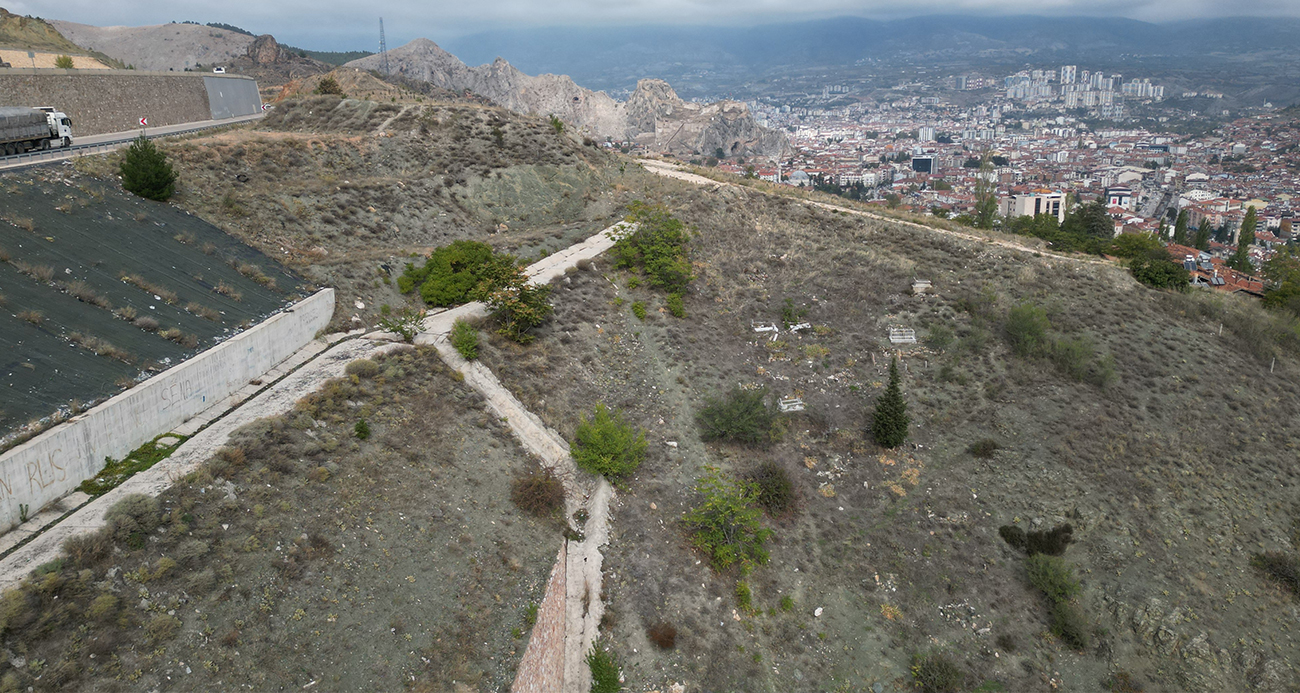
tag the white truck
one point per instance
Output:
(23, 129)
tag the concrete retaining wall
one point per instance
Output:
(54, 463)
(103, 101)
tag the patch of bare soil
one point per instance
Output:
(1158, 457)
(306, 556)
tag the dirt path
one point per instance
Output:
(669, 171)
(580, 604)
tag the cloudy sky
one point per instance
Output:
(341, 25)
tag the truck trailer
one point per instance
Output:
(24, 129)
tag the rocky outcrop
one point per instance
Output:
(264, 50)
(654, 114)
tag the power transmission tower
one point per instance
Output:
(383, 48)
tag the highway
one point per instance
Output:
(98, 144)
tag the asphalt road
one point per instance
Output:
(97, 144)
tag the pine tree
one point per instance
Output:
(1240, 260)
(1180, 228)
(145, 171)
(890, 421)
(1203, 235)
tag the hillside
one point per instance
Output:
(161, 47)
(692, 129)
(1042, 391)
(33, 33)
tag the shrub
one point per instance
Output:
(131, 518)
(1073, 356)
(607, 444)
(146, 172)
(740, 416)
(362, 368)
(1280, 567)
(936, 673)
(657, 246)
(638, 309)
(791, 316)
(744, 596)
(1053, 576)
(726, 525)
(1070, 625)
(983, 448)
(361, 429)
(87, 549)
(406, 324)
(329, 85)
(453, 273)
(538, 493)
(676, 305)
(103, 608)
(889, 422)
(464, 338)
(1026, 329)
(787, 603)
(162, 627)
(940, 338)
(774, 490)
(1159, 271)
(63, 62)
(604, 668)
(517, 304)
(663, 635)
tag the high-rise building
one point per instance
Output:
(925, 134)
(1068, 73)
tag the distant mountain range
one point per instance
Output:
(654, 115)
(615, 57)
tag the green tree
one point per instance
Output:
(454, 273)
(1157, 269)
(727, 526)
(1240, 259)
(63, 62)
(889, 422)
(1282, 272)
(657, 246)
(986, 197)
(517, 304)
(1135, 245)
(1090, 221)
(329, 85)
(1180, 228)
(1203, 233)
(146, 171)
(606, 443)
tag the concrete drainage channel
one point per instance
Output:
(570, 613)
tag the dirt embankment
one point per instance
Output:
(894, 553)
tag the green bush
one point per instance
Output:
(1053, 575)
(638, 309)
(362, 368)
(464, 338)
(936, 673)
(607, 444)
(1013, 536)
(329, 85)
(1052, 542)
(455, 273)
(940, 338)
(132, 518)
(406, 324)
(361, 429)
(744, 596)
(773, 488)
(889, 421)
(726, 524)
(516, 303)
(146, 172)
(63, 62)
(1159, 271)
(657, 247)
(1027, 327)
(676, 306)
(604, 670)
(1070, 625)
(740, 416)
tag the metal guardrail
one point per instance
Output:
(14, 162)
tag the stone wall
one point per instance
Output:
(54, 463)
(114, 100)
